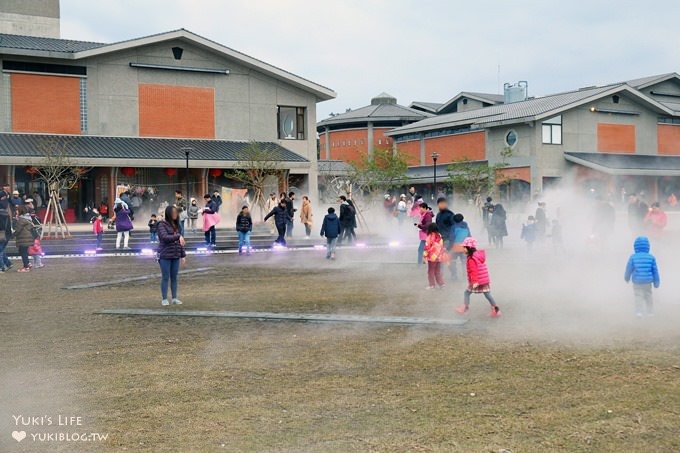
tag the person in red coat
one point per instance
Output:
(479, 281)
(656, 220)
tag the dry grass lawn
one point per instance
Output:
(561, 371)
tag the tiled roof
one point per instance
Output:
(379, 112)
(45, 44)
(491, 97)
(98, 147)
(430, 106)
(637, 83)
(504, 112)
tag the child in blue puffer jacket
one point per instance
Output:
(643, 271)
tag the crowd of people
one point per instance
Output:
(445, 239)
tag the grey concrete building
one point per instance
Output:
(161, 93)
(620, 137)
(30, 17)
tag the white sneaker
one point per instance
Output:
(176, 302)
(165, 302)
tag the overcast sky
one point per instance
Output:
(415, 50)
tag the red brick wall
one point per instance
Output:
(379, 138)
(615, 138)
(470, 145)
(176, 111)
(45, 103)
(411, 150)
(347, 145)
(668, 136)
(522, 173)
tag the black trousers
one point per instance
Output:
(281, 229)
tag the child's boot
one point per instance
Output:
(462, 309)
(495, 312)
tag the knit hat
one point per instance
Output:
(470, 242)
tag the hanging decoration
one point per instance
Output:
(127, 171)
(170, 172)
(31, 170)
(215, 172)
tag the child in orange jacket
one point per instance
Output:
(434, 253)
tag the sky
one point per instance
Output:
(414, 50)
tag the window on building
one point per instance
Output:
(511, 138)
(464, 101)
(552, 131)
(615, 99)
(361, 141)
(380, 141)
(291, 123)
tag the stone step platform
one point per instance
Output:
(299, 317)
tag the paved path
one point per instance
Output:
(269, 316)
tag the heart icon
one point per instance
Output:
(19, 435)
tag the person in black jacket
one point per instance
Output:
(444, 221)
(244, 226)
(170, 254)
(281, 218)
(348, 220)
(331, 229)
(291, 212)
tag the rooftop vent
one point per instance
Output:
(383, 98)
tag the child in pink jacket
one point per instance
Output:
(479, 281)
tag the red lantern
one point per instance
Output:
(30, 170)
(170, 172)
(215, 172)
(127, 171)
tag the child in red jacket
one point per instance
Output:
(98, 229)
(479, 281)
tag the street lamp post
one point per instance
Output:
(435, 156)
(187, 150)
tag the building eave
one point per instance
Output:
(321, 92)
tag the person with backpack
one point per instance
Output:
(459, 232)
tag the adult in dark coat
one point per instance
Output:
(637, 211)
(170, 254)
(497, 226)
(604, 219)
(444, 221)
(5, 225)
(281, 217)
(541, 221)
(330, 228)
(347, 220)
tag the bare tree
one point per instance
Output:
(56, 168)
(477, 179)
(258, 163)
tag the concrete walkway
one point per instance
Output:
(269, 316)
